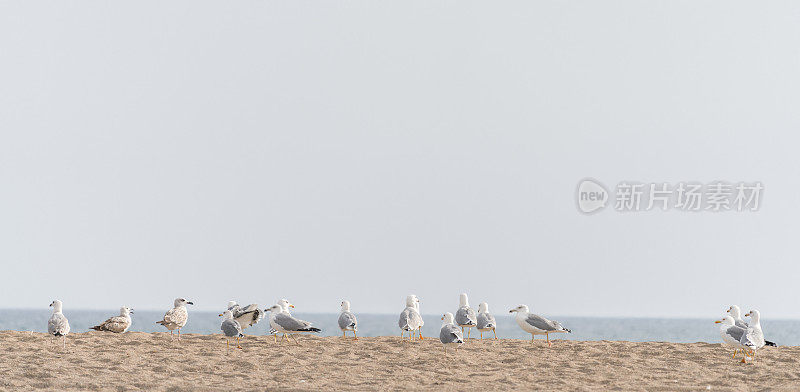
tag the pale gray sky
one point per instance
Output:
(367, 150)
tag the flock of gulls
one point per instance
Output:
(743, 337)
(235, 319)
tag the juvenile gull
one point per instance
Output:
(736, 313)
(486, 321)
(450, 335)
(246, 316)
(283, 322)
(731, 334)
(58, 325)
(230, 328)
(347, 321)
(753, 338)
(535, 324)
(410, 319)
(176, 317)
(465, 316)
(117, 324)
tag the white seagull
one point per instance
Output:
(58, 325)
(410, 319)
(117, 324)
(465, 316)
(176, 317)
(486, 321)
(246, 316)
(284, 306)
(731, 334)
(753, 338)
(450, 335)
(347, 321)
(283, 322)
(231, 329)
(535, 324)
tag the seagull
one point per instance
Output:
(753, 338)
(736, 313)
(246, 316)
(465, 316)
(283, 322)
(535, 324)
(731, 333)
(284, 304)
(486, 321)
(176, 317)
(410, 319)
(347, 320)
(117, 324)
(58, 325)
(450, 335)
(230, 328)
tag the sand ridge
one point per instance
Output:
(150, 361)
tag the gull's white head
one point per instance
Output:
(284, 304)
(754, 315)
(447, 318)
(727, 320)
(125, 311)
(735, 312)
(412, 301)
(226, 315)
(462, 300)
(345, 306)
(56, 304)
(520, 309)
(483, 307)
(181, 302)
(232, 304)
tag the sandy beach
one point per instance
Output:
(150, 361)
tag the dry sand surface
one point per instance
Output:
(145, 361)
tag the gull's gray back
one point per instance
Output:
(409, 319)
(450, 334)
(231, 328)
(347, 320)
(466, 316)
(542, 323)
(486, 320)
(289, 323)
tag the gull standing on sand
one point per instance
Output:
(753, 338)
(535, 324)
(284, 304)
(230, 328)
(283, 322)
(465, 316)
(246, 316)
(410, 319)
(450, 335)
(176, 317)
(347, 320)
(116, 324)
(731, 334)
(58, 325)
(736, 313)
(485, 320)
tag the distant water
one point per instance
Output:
(783, 332)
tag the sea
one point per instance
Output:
(782, 332)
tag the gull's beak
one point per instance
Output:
(190, 302)
(130, 311)
(51, 304)
(442, 317)
(747, 314)
(512, 311)
(220, 315)
(291, 306)
(268, 309)
(718, 322)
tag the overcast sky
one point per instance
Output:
(364, 150)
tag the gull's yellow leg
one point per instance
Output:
(355, 337)
(295, 340)
(495, 333)
(481, 334)
(548, 339)
(344, 335)
(468, 332)
(237, 343)
(420, 333)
